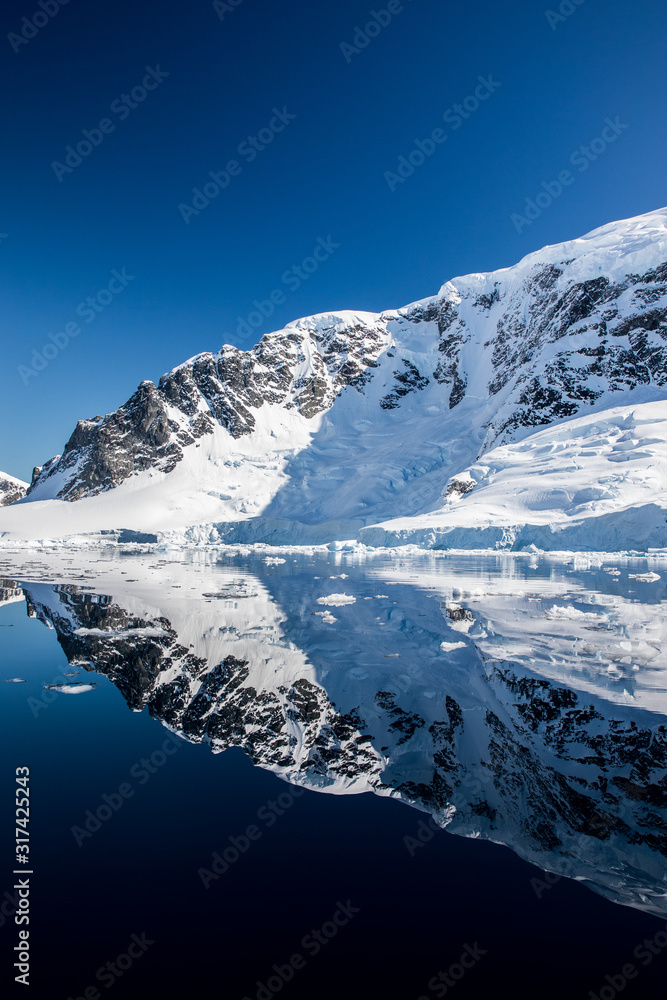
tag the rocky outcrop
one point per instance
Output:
(302, 368)
(11, 489)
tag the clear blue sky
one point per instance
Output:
(322, 176)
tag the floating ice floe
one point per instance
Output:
(337, 600)
(644, 577)
(76, 688)
(568, 613)
(326, 617)
(14, 680)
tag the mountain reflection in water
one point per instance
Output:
(517, 699)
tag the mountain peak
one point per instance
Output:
(344, 420)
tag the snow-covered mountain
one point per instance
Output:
(345, 421)
(11, 489)
(527, 713)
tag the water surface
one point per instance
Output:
(417, 738)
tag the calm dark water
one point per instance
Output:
(540, 724)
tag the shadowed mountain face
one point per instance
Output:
(487, 360)
(526, 713)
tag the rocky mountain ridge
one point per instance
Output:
(415, 425)
(530, 345)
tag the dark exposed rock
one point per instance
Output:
(407, 381)
(459, 488)
(11, 490)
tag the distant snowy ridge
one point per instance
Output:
(401, 425)
(11, 489)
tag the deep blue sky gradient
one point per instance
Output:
(322, 176)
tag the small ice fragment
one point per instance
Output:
(326, 617)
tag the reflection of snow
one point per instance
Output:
(532, 610)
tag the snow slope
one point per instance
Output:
(597, 482)
(356, 425)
